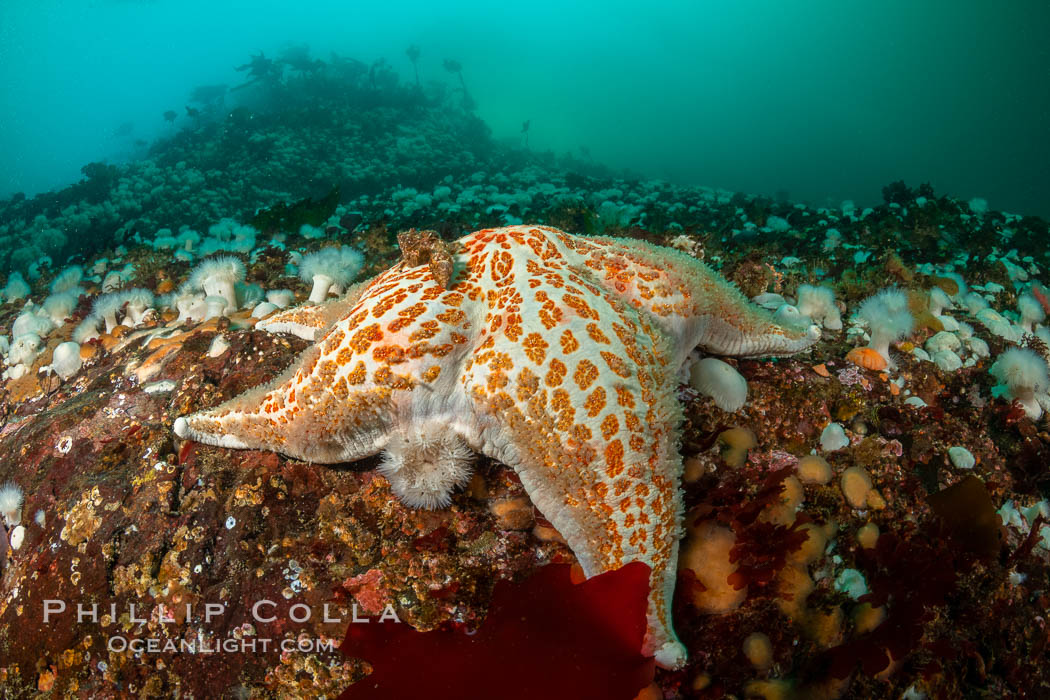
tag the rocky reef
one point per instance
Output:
(860, 526)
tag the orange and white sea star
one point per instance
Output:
(555, 354)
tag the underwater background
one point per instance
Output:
(817, 99)
(191, 192)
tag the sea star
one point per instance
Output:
(555, 354)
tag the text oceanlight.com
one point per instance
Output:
(201, 645)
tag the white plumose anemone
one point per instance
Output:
(24, 349)
(59, 306)
(106, 307)
(30, 321)
(65, 361)
(329, 270)
(219, 277)
(11, 503)
(888, 319)
(1023, 377)
(68, 281)
(216, 304)
(423, 468)
(1031, 312)
(721, 382)
(16, 287)
(818, 303)
(139, 300)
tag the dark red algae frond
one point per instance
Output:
(731, 501)
(762, 548)
(914, 570)
(917, 574)
(968, 515)
(543, 638)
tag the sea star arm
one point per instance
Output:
(310, 321)
(586, 414)
(372, 382)
(692, 303)
(298, 415)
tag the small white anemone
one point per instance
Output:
(770, 301)
(423, 468)
(280, 297)
(187, 240)
(1031, 312)
(248, 295)
(788, 315)
(106, 307)
(974, 303)
(18, 535)
(65, 360)
(942, 341)
(330, 269)
(818, 303)
(888, 319)
(961, 457)
(219, 277)
(139, 301)
(11, 503)
(1022, 375)
(939, 301)
(219, 345)
(833, 438)
(718, 380)
(16, 287)
(947, 360)
(263, 309)
(978, 347)
(997, 324)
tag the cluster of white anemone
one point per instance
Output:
(957, 345)
(1023, 374)
(216, 287)
(11, 530)
(812, 305)
(36, 322)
